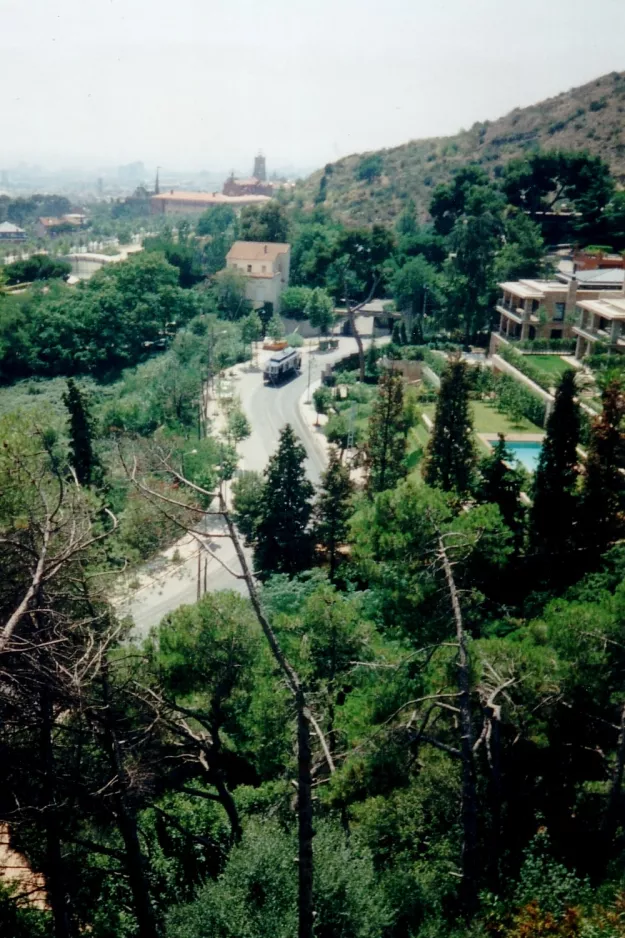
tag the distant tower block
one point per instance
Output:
(260, 167)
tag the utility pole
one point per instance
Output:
(309, 373)
(351, 427)
(199, 572)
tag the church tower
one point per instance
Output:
(260, 167)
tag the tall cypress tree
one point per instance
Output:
(601, 519)
(450, 458)
(500, 484)
(83, 458)
(333, 508)
(386, 443)
(283, 541)
(554, 496)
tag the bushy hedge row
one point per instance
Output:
(605, 362)
(522, 364)
(518, 401)
(546, 345)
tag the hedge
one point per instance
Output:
(546, 345)
(518, 401)
(521, 363)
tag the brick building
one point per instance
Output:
(194, 203)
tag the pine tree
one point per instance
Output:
(386, 443)
(283, 542)
(403, 334)
(333, 508)
(83, 458)
(450, 457)
(501, 485)
(555, 480)
(601, 507)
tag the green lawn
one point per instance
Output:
(551, 365)
(486, 419)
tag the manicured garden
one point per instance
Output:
(487, 419)
(552, 365)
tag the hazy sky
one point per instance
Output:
(206, 83)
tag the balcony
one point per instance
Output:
(593, 334)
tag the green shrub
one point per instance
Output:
(546, 345)
(517, 401)
(526, 367)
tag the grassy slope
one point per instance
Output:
(591, 117)
(551, 365)
(487, 419)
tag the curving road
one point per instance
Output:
(268, 410)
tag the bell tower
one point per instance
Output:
(260, 167)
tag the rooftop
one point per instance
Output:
(209, 198)
(6, 227)
(533, 289)
(606, 308)
(256, 250)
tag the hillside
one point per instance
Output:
(591, 118)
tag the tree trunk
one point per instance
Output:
(469, 789)
(217, 777)
(127, 825)
(493, 744)
(55, 866)
(305, 825)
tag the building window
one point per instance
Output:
(264, 269)
(556, 334)
(559, 312)
(249, 268)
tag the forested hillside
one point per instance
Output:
(372, 187)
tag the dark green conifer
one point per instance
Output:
(82, 456)
(554, 494)
(333, 508)
(500, 484)
(450, 456)
(601, 510)
(386, 443)
(283, 541)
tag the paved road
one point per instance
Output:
(268, 410)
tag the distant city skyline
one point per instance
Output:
(198, 86)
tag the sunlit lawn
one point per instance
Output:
(487, 419)
(551, 365)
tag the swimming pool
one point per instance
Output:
(525, 453)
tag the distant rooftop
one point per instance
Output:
(601, 277)
(6, 227)
(256, 250)
(533, 289)
(209, 198)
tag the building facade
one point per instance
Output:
(251, 186)
(10, 232)
(600, 325)
(266, 266)
(536, 309)
(194, 203)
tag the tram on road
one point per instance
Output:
(282, 365)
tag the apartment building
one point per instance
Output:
(600, 325)
(537, 309)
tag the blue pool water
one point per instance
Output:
(525, 453)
